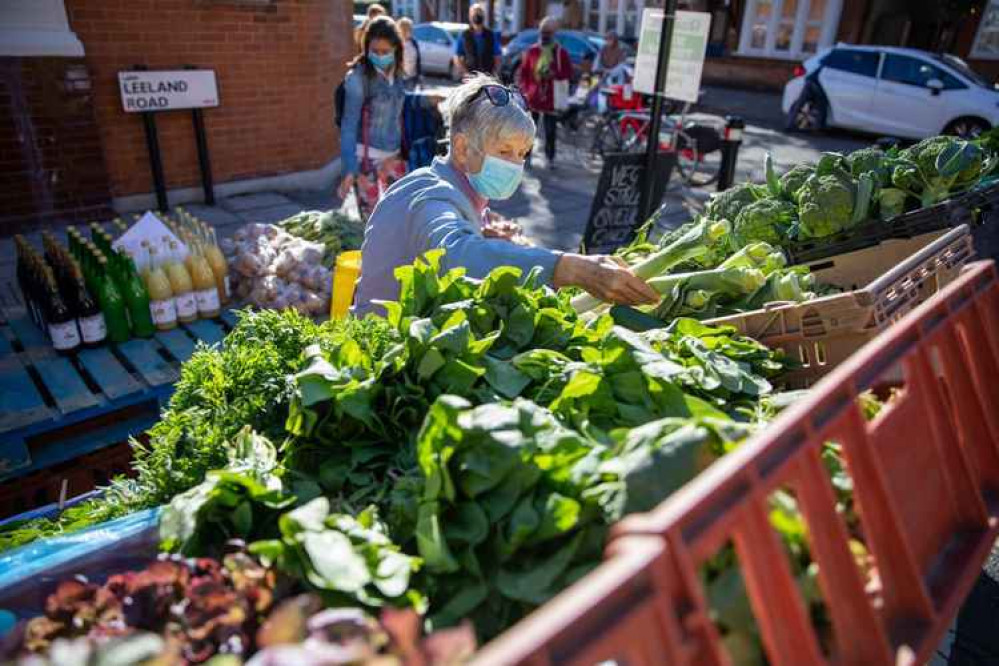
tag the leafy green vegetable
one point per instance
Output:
(764, 220)
(726, 205)
(792, 180)
(829, 204)
(940, 166)
(336, 231)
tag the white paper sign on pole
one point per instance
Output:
(686, 54)
(150, 229)
(168, 90)
(647, 56)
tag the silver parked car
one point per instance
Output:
(436, 41)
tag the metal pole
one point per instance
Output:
(731, 141)
(155, 159)
(646, 203)
(204, 161)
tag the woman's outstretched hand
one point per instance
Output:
(607, 278)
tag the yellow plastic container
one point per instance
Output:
(348, 269)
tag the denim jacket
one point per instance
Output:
(384, 116)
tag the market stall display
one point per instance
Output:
(922, 474)
(87, 360)
(187, 610)
(359, 433)
(469, 454)
(289, 264)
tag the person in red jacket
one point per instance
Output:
(542, 65)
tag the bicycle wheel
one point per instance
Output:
(698, 157)
(607, 139)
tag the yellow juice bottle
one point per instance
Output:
(162, 306)
(205, 288)
(182, 286)
(220, 269)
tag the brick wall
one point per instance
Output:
(277, 64)
(51, 164)
(748, 73)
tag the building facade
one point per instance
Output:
(67, 148)
(757, 43)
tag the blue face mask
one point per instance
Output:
(382, 62)
(498, 179)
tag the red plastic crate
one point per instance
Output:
(926, 483)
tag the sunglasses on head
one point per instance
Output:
(500, 95)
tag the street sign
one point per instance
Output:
(614, 213)
(143, 91)
(686, 54)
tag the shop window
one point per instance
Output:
(788, 28)
(986, 44)
(505, 14)
(402, 8)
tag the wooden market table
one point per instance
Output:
(54, 409)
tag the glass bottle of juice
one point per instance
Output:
(219, 267)
(188, 240)
(144, 257)
(162, 307)
(112, 303)
(182, 286)
(205, 288)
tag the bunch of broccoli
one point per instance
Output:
(731, 260)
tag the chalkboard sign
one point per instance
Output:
(614, 214)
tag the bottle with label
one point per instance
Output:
(182, 286)
(136, 298)
(162, 306)
(93, 329)
(205, 287)
(220, 269)
(112, 303)
(59, 320)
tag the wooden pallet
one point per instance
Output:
(54, 409)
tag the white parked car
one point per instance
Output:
(892, 91)
(436, 41)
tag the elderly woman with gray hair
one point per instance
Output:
(445, 206)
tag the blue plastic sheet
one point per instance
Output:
(30, 573)
(50, 510)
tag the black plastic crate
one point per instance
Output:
(961, 209)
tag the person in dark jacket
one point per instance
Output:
(479, 49)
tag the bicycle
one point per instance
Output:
(697, 146)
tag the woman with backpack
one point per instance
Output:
(371, 123)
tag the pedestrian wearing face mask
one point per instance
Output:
(371, 129)
(542, 65)
(479, 49)
(445, 206)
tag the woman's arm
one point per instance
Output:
(350, 127)
(437, 225)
